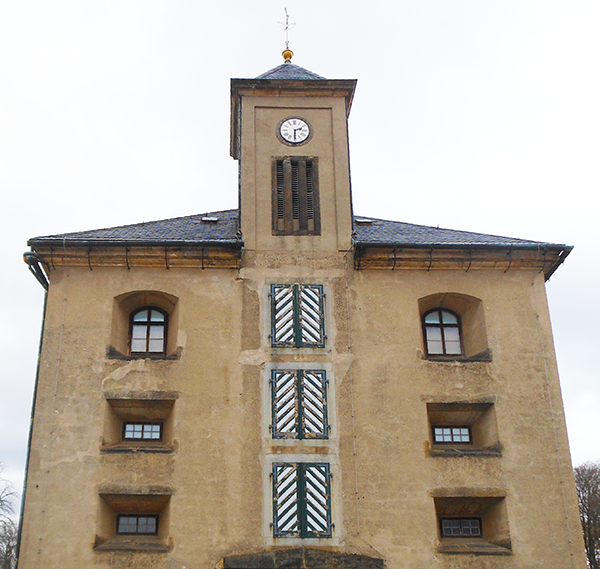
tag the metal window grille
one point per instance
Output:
(297, 313)
(301, 500)
(299, 404)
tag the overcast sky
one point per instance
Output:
(469, 114)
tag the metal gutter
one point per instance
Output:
(239, 243)
(563, 250)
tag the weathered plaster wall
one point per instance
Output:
(385, 480)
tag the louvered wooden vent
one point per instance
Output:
(301, 500)
(299, 404)
(296, 208)
(297, 315)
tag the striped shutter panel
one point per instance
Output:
(286, 515)
(313, 404)
(297, 316)
(301, 500)
(283, 333)
(299, 404)
(284, 403)
(310, 316)
(316, 518)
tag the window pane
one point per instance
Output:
(157, 332)
(434, 341)
(141, 316)
(127, 524)
(453, 348)
(152, 431)
(452, 338)
(138, 345)
(139, 332)
(146, 524)
(449, 318)
(156, 346)
(470, 527)
(450, 527)
(432, 318)
(156, 316)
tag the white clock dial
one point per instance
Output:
(294, 130)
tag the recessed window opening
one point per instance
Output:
(295, 200)
(442, 332)
(461, 527)
(133, 524)
(142, 431)
(148, 331)
(462, 434)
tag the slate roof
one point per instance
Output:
(222, 227)
(371, 231)
(289, 71)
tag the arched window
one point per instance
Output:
(148, 331)
(443, 335)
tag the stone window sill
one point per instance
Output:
(114, 354)
(458, 547)
(451, 452)
(132, 543)
(485, 356)
(123, 448)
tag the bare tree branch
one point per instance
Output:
(587, 480)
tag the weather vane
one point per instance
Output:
(286, 24)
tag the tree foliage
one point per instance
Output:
(587, 480)
(8, 527)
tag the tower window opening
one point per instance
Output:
(295, 205)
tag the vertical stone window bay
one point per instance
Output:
(297, 316)
(302, 500)
(299, 404)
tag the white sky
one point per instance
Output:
(473, 115)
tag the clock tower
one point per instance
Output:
(289, 132)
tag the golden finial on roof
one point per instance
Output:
(287, 54)
(287, 24)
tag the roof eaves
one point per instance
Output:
(134, 242)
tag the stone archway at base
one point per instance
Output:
(301, 558)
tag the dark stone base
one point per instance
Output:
(302, 558)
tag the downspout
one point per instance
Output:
(35, 390)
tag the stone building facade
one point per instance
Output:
(290, 385)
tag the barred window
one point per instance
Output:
(296, 209)
(297, 316)
(301, 500)
(299, 404)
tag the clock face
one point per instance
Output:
(294, 130)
